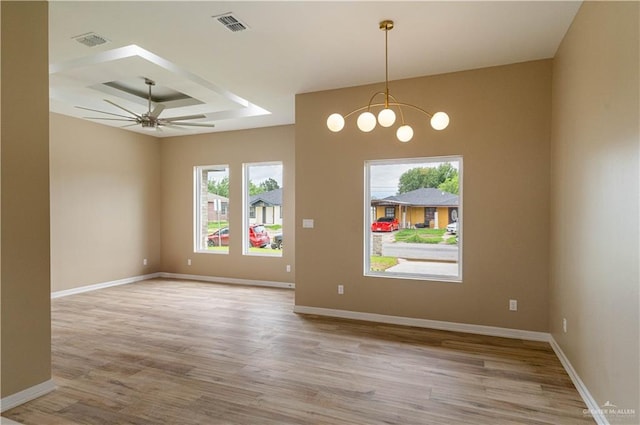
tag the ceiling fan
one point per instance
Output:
(150, 119)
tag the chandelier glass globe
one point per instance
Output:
(335, 122)
(386, 117)
(439, 121)
(366, 122)
(404, 133)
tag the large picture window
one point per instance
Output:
(263, 205)
(413, 225)
(211, 209)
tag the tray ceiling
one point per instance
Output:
(245, 74)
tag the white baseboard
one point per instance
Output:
(134, 279)
(103, 285)
(217, 279)
(425, 323)
(24, 396)
(592, 405)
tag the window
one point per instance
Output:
(421, 235)
(211, 209)
(263, 206)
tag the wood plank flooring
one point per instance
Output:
(176, 352)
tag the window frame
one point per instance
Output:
(198, 172)
(246, 208)
(368, 220)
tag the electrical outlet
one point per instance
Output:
(340, 289)
(188, 261)
(513, 305)
(144, 262)
(564, 325)
(288, 268)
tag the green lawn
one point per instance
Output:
(218, 248)
(263, 251)
(212, 226)
(430, 236)
(380, 264)
(266, 251)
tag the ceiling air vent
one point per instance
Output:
(231, 22)
(90, 39)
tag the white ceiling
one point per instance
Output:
(249, 79)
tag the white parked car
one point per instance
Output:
(452, 227)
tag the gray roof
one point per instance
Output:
(424, 197)
(269, 199)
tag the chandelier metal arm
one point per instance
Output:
(394, 103)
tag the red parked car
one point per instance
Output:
(219, 238)
(385, 224)
(258, 236)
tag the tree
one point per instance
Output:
(219, 187)
(420, 177)
(269, 184)
(450, 185)
(254, 189)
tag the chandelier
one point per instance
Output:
(386, 116)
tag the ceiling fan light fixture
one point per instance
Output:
(386, 117)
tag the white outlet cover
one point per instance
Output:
(307, 223)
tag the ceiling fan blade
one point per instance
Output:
(102, 112)
(185, 117)
(123, 108)
(157, 110)
(112, 119)
(192, 124)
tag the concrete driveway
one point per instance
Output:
(420, 251)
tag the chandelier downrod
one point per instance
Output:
(386, 117)
(386, 26)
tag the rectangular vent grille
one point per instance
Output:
(90, 39)
(232, 23)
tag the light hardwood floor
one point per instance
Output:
(175, 352)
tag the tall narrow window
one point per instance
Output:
(212, 208)
(413, 218)
(263, 209)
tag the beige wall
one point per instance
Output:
(179, 156)
(105, 203)
(500, 122)
(594, 261)
(24, 278)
